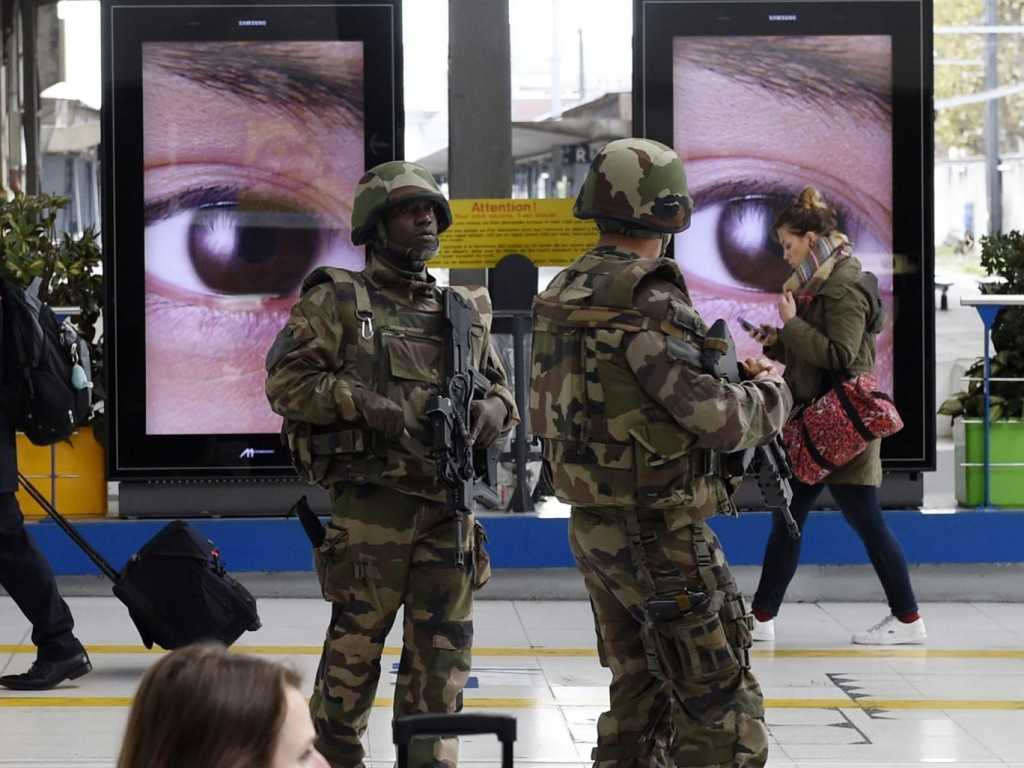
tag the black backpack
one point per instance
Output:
(48, 373)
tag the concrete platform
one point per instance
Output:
(958, 701)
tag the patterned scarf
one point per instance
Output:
(813, 271)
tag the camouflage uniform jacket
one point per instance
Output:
(627, 420)
(380, 329)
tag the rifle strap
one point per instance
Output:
(638, 538)
(702, 554)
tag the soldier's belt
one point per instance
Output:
(622, 456)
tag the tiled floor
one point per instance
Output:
(959, 701)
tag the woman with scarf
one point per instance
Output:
(828, 328)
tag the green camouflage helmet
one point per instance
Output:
(388, 184)
(638, 182)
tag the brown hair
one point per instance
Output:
(810, 213)
(205, 708)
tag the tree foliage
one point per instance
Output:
(68, 267)
(960, 71)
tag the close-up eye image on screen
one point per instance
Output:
(251, 151)
(235, 135)
(756, 120)
(763, 101)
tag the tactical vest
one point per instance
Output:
(397, 352)
(606, 442)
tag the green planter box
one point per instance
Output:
(1007, 462)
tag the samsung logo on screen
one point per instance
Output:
(252, 22)
(781, 17)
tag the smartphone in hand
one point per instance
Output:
(748, 326)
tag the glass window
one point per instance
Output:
(979, 80)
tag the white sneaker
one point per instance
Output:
(892, 631)
(764, 631)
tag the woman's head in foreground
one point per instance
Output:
(203, 707)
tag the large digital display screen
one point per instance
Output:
(763, 99)
(834, 93)
(251, 151)
(235, 134)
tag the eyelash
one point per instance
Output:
(188, 199)
(738, 189)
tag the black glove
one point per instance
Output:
(380, 413)
(487, 416)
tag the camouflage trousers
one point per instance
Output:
(383, 550)
(682, 693)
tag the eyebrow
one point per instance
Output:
(278, 76)
(828, 71)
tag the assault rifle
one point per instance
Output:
(766, 463)
(470, 473)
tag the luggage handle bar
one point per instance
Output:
(405, 728)
(69, 529)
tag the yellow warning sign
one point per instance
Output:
(483, 232)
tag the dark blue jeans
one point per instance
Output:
(863, 511)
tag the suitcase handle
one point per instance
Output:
(68, 528)
(405, 728)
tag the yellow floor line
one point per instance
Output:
(43, 701)
(895, 704)
(761, 653)
(891, 653)
(312, 650)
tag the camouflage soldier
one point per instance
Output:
(632, 429)
(351, 372)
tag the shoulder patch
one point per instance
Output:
(329, 275)
(686, 317)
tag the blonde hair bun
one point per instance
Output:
(811, 198)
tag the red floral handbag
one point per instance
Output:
(837, 427)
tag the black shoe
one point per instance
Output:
(43, 675)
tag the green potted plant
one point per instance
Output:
(1002, 256)
(69, 270)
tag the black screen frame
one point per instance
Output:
(126, 25)
(909, 23)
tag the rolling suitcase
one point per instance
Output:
(175, 587)
(403, 730)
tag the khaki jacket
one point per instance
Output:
(837, 314)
